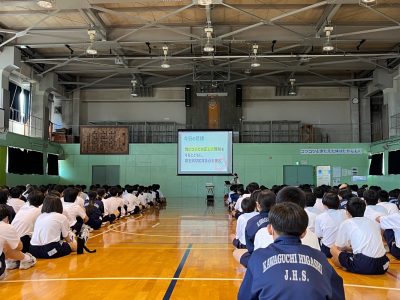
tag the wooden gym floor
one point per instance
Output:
(180, 252)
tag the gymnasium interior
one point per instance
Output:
(97, 92)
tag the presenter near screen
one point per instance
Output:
(235, 179)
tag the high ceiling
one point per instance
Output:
(130, 36)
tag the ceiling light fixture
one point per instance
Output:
(204, 2)
(165, 64)
(327, 47)
(45, 4)
(368, 3)
(292, 90)
(134, 92)
(254, 61)
(92, 36)
(209, 47)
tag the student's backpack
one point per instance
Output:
(82, 238)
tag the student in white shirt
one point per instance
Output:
(111, 205)
(25, 219)
(15, 202)
(288, 194)
(327, 223)
(52, 236)
(319, 194)
(75, 213)
(248, 207)
(359, 247)
(384, 201)
(141, 197)
(373, 210)
(312, 212)
(11, 256)
(131, 201)
(391, 226)
(251, 187)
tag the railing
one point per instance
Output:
(395, 124)
(27, 125)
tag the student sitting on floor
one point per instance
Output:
(11, 256)
(74, 212)
(111, 205)
(248, 208)
(25, 219)
(391, 226)
(93, 212)
(15, 202)
(288, 194)
(52, 236)
(265, 200)
(384, 201)
(373, 210)
(251, 187)
(359, 247)
(327, 223)
(312, 212)
(319, 194)
(287, 269)
(3, 200)
(131, 202)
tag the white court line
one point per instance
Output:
(177, 236)
(155, 225)
(112, 226)
(166, 278)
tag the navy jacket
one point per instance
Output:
(289, 270)
(253, 225)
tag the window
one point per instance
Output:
(376, 166)
(394, 162)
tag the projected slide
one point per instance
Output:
(204, 152)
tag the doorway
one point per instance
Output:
(105, 175)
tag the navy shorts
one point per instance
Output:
(326, 250)
(26, 242)
(388, 234)
(361, 264)
(2, 264)
(52, 250)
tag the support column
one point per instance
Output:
(365, 116)
(76, 103)
(9, 61)
(355, 114)
(391, 98)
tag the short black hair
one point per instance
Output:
(310, 199)
(36, 198)
(266, 199)
(252, 186)
(383, 196)
(394, 193)
(370, 197)
(113, 191)
(92, 195)
(331, 200)
(318, 192)
(4, 212)
(356, 207)
(3, 196)
(70, 194)
(15, 192)
(52, 204)
(345, 193)
(248, 205)
(101, 193)
(129, 189)
(291, 194)
(288, 219)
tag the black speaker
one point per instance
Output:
(188, 96)
(238, 95)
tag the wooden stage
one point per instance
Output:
(180, 252)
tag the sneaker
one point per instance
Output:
(12, 264)
(27, 264)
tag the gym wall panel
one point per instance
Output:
(156, 163)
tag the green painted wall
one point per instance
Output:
(37, 144)
(387, 181)
(156, 163)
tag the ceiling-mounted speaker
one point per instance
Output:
(188, 96)
(238, 95)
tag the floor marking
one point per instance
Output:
(165, 279)
(112, 226)
(178, 271)
(173, 236)
(155, 225)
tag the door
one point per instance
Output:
(105, 175)
(296, 175)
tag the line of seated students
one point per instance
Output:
(54, 220)
(346, 223)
